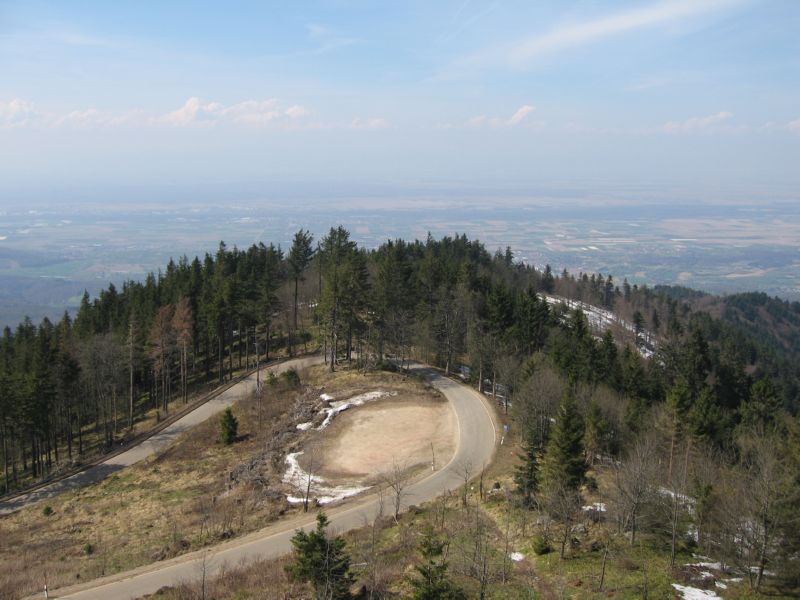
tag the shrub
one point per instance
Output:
(291, 378)
(47, 510)
(88, 549)
(271, 379)
(228, 427)
(541, 546)
(321, 561)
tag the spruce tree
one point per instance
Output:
(322, 562)
(526, 475)
(298, 260)
(432, 582)
(563, 463)
(228, 427)
(595, 432)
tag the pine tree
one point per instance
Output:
(322, 562)
(432, 582)
(228, 427)
(563, 462)
(337, 252)
(299, 257)
(595, 432)
(526, 475)
(762, 409)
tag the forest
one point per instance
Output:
(693, 408)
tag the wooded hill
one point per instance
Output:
(448, 302)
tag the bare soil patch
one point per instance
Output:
(370, 439)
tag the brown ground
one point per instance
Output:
(370, 439)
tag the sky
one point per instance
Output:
(153, 93)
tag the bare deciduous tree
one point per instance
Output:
(182, 326)
(161, 343)
(397, 481)
(634, 483)
(564, 505)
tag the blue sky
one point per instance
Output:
(696, 92)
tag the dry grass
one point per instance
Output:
(193, 494)
(259, 580)
(179, 500)
(383, 556)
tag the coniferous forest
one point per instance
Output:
(697, 398)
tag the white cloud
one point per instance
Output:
(92, 117)
(250, 112)
(695, 123)
(496, 122)
(519, 116)
(522, 53)
(16, 113)
(296, 111)
(794, 126)
(185, 115)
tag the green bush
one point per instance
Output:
(541, 546)
(291, 378)
(228, 427)
(88, 549)
(47, 510)
(271, 379)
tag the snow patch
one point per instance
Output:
(338, 406)
(517, 556)
(706, 565)
(687, 500)
(321, 490)
(597, 506)
(603, 319)
(721, 585)
(691, 593)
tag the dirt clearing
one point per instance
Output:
(374, 437)
(365, 428)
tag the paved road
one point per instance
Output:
(476, 447)
(154, 443)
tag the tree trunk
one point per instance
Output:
(294, 319)
(130, 382)
(603, 567)
(220, 342)
(230, 358)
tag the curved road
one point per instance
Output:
(476, 446)
(154, 443)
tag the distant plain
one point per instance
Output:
(49, 256)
